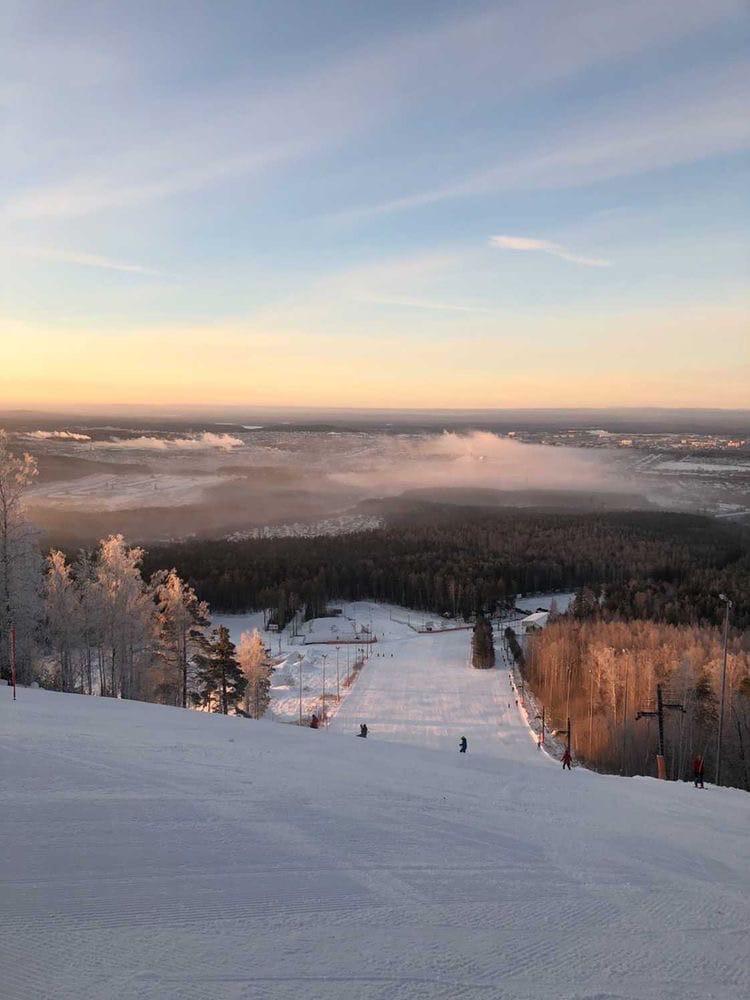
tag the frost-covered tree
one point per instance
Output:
(20, 562)
(253, 660)
(92, 621)
(181, 620)
(63, 619)
(220, 683)
(125, 619)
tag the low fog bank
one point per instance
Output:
(482, 460)
(171, 485)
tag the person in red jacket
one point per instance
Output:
(698, 769)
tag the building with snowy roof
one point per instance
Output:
(535, 622)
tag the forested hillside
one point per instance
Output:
(659, 566)
(600, 674)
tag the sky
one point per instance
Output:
(427, 204)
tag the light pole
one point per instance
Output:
(728, 606)
(300, 689)
(324, 657)
(624, 718)
(13, 659)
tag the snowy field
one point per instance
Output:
(152, 853)
(106, 491)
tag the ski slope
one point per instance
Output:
(151, 853)
(420, 688)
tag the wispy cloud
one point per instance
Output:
(92, 260)
(431, 305)
(526, 243)
(244, 127)
(692, 117)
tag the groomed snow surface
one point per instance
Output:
(152, 853)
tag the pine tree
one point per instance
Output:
(220, 681)
(482, 644)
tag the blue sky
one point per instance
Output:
(427, 203)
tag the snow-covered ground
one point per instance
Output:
(535, 601)
(152, 853)
(343, 524)
(105, 491)
(419, 688)
(405, 656)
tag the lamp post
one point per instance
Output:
(13, 659)
(324, 657)
(728, 606)
(624, 719)
(300, 687)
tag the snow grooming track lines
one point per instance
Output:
(156, 854)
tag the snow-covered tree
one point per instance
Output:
(253, 660)
(220, 683)
(20, 563)
(181, 623)
(63, 619)
(124, 616)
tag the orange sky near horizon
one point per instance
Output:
(678, 357)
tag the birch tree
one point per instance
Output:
(126, 618)
(63, 619)
(181, 622)
(253, 661)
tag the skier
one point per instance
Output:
(363, 730)
(698, 769)
(566, 759)
(314, 721)
(462, 745)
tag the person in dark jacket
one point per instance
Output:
(698, 769)
(314, 722)
(363, 731)
(462, 745)
(567, 760)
